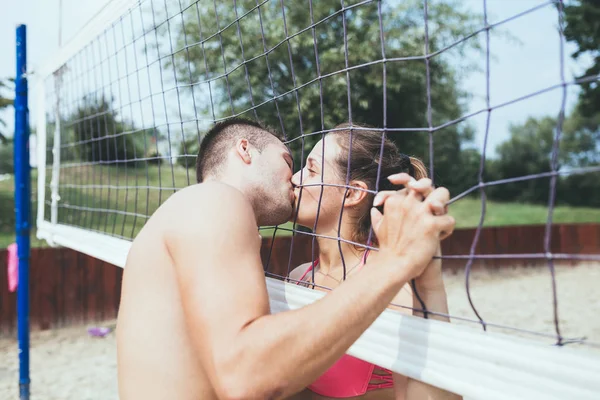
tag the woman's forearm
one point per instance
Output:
(436, 302)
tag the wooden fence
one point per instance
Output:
(526, 239)
(69, 288)
(66, 288)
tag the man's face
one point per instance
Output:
(273, 169)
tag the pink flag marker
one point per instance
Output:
(13, 267)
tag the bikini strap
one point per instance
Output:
(310, 268)
(365, 255)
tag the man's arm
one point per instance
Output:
(245, 351)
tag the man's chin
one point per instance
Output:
(279, 217)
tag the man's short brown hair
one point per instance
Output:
(219, 139)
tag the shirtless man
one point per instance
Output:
(194, 321)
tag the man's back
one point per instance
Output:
(155, 354)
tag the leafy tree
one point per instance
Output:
(298, 90)
(188, 150)
(579, 190)
(6, 157)
(582, 19)
(528, 151)
(100, 135)
(581, 139)
(5, 102)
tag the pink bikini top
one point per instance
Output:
(349, 376)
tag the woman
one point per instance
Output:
(342, 209)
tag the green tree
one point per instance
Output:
(6, 157)
(298, 90)
(582, 19)
(100, 136)
(581, 139)
(5, 102)
(581, 148)
(188, 151)
(528, 151)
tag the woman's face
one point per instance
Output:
(320, 169)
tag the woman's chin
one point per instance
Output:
(300, 221)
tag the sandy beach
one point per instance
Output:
(69, 364)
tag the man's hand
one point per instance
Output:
(410, 229)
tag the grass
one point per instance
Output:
(137, 205)
(7, 213)
(467, 213)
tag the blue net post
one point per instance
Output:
(22, 208)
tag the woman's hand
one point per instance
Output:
(434, 199)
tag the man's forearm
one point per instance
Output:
(303, 343)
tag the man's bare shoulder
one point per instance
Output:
(209, 193)
(210, 200)
(206, 209)
(198, 216)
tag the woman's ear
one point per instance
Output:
(356, 193)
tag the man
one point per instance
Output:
(194, 321)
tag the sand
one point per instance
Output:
(65, 364)
(69, 364)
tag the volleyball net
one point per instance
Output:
(121, 110)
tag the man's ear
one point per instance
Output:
(355, 193)
(242, 149)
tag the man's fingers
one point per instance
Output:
(400, 179)
(382, 196)
(437, 208)
(439, 195)
(423, 186)
(415, 194)
(376, 217)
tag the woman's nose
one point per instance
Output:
(296, 179)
